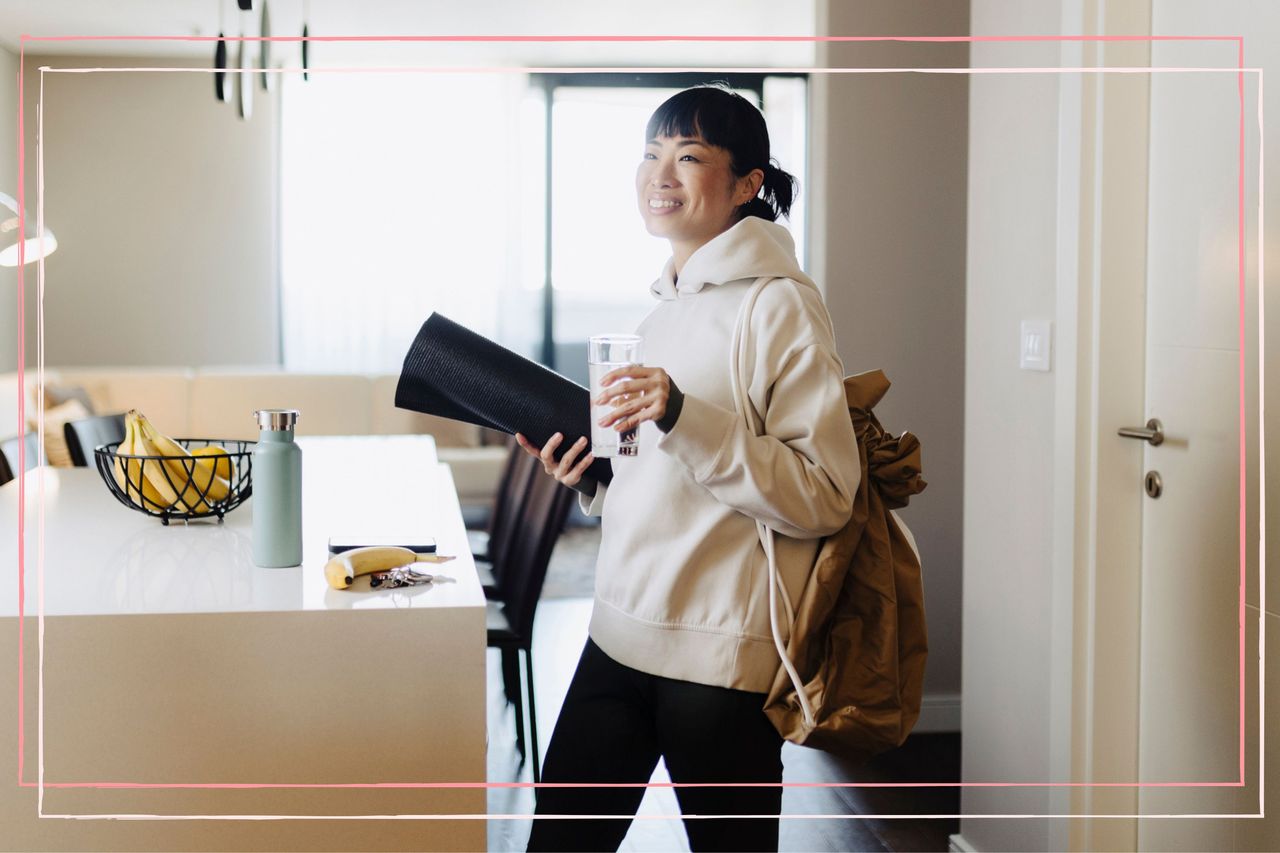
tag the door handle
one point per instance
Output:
(1153, 433)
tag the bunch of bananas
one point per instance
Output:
(184, 480)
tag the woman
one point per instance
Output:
(680, 653)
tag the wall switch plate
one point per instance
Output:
(1036, 345)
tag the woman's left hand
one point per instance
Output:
(642, 397)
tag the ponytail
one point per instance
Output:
(777, 191)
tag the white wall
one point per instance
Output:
(1010, 417)
(887, 207)
(164, 204)
(1022, 144)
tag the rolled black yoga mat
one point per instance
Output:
(452, 372)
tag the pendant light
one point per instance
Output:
(306, 42)
(220, 89)
(264, 53)
(244, 80)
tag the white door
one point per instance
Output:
(1190, 695)
(1189, 672)
(1167, 613)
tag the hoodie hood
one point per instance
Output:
(751, 248)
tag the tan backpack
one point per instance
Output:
(852, 671)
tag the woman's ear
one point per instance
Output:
(749, 185)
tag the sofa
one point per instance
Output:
(219, 403)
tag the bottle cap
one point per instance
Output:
(276, 419)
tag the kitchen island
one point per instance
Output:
(178, 697)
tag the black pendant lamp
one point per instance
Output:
(220, 89)
(306, 43)
(264, 52)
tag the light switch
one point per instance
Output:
(1037, 343)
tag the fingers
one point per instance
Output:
(578, 470)
(631, 371)
(565, 465)
(564, 469)
(647, 403)
(568, 473)
(548, 452)
(652, 412)
(528, 448)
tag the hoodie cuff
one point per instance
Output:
(701, 437)
(593, 505)
(675, 403)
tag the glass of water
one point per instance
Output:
(606, 353)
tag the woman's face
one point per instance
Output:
(687, 193)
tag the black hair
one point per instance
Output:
(727, 120)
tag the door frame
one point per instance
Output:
(1102, 205)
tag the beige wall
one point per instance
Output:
(888, 210)
(8, 185)
(164, 203)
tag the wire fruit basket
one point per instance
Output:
(147, 483)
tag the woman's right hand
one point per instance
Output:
(565, 471)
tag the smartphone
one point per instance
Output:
(417, 544)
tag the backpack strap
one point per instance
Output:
(742, 402)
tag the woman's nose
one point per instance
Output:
(662, 176)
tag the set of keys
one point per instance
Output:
(403, 576)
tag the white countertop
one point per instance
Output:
(102, 558)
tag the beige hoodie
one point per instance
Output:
(682, 580)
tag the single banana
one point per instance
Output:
(132, 471)
(342, 570)
(222, 463)
(165, 479)
(117, 464)
(194, 476)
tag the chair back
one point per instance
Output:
(84, 435)
(9, 455)
(542, 518)
(513, 492)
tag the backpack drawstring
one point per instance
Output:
(776, 587)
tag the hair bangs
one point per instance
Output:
(701, 112)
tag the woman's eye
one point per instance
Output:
(689, 157)
(650, 156)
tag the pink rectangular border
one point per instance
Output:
(1241, 286)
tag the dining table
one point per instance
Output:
(159, 691)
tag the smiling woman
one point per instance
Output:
(682, 646)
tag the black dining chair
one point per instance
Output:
(509, 619)
(478, 539)
(86, 434)
(490, 551)
(9, 455)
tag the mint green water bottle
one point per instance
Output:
(277, 491)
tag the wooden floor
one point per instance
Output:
(559, 634)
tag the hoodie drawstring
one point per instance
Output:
(742, 401)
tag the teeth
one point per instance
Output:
(653, 202)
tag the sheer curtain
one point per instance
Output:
(403, 194)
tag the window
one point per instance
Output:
(407, 193)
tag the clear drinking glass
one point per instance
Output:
(606, 353)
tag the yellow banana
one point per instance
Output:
(134, 472)
(160, 472)
(117, 464)
(222, 465)
(196, 478)
(344, 568)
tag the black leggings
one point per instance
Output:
(614, 725)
